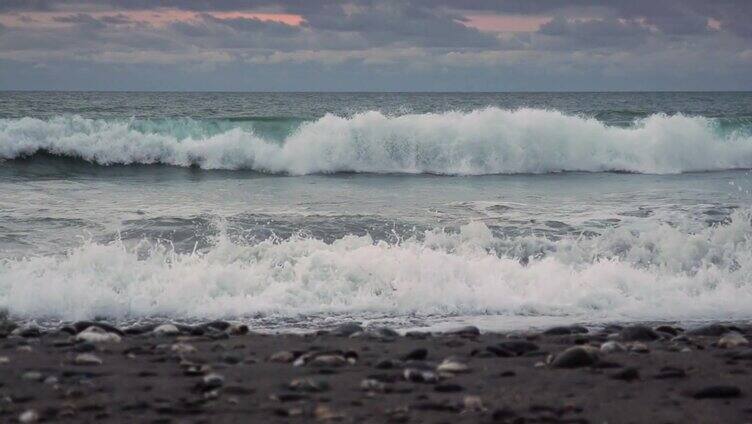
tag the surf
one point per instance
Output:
(479, 142)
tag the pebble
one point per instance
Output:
(467, 331)
(452, 366)
(85, 347)
(283, 356)
(448, 388)
(387, 364)
(28, 416)
(638, 333)
(27, 332)
(670, 372)
(499, 352)
(715, 330)
(566, 330)
(166, 330)
(732, 340)
(626, 374)
(232, 358)
(742, 354)
(717, 392)
(575, 357)
(87, 359)
(182, 348)
(237, 329)
(329, 360)
(94, 334)
(373, 385)
(416, 355)
(518, 347)
(325, 413)
(668, 329)
(32, 376)
(382, 333)
(639, 347)
(212, 381)
(416, 375)
(308, 385)
(612, 346)
(83, 325)
(347, 329)
(473, 403)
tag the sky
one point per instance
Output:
(376, 45)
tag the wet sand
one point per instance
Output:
(223, 373)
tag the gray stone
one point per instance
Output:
(575, 357)
(717, 392)
(347, 329)
(467, 331)
(638, 333)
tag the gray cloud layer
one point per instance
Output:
(376, 45)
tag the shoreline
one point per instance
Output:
(222, 372)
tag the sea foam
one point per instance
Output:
(659, 273)
(484, 141)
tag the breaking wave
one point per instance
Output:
(661, 272)
(484, 141)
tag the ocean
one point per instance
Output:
(292, 211)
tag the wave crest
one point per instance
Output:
(662, 272)
(484, 141)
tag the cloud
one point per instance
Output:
(388, 42)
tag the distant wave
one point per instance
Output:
(484, 141)
(659, 273)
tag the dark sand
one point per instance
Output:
(366, 377)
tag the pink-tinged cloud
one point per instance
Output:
(506, 23)
(157, 17)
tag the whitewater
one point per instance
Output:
(478, 142)
(291, 211)
(659, 274)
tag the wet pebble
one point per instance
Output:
(347, 329)
(418, 375)
(212, 381)
(715, 330)
(732, 340)
(166, 330)
(467, 331)
(638, 333)
(717, 392)
(416, 355)
(28, 416)
(612, 346)
(638, 347)
(308, 385)
(282, 356)
(626, 374)
(575, 357)
(448, 388)
(87, 359)
(332, 360)
(670, 372)
(95, 334)
(83, 325)
(668, 329)
(373, 385)
(32, 376)
(518, 347)
(452, 366)
(566, 330)
(182, 348)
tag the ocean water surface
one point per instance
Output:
(294, 210)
